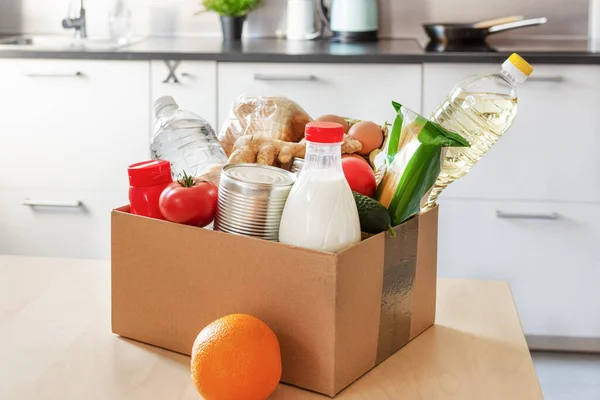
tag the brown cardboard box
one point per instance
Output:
(336, 315)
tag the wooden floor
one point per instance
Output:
(566, 376)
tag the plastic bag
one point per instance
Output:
(411, 161)
(276, 117)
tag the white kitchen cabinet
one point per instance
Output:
(69, 129)
(193, 85)
(547, 251)
(75, 225)
(357, 91)
(550, 152)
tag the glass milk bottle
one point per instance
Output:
(320, 212)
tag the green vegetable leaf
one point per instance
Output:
(394, 135)
(230, 8)
(434, 134)
(418, 177)
(423, 168)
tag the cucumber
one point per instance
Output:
(374, 217)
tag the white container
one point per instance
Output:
(320, 212)
(301, 21)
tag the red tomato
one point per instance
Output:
(189, 201)
(360, 176)
(361, 158)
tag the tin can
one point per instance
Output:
(251, 200)
(297, 165)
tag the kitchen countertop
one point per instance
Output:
(57, 344)
(395, 51)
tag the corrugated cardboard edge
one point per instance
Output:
(358, 305)
(425, 285)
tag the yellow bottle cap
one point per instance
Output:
(520, 63)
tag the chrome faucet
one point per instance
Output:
(77, 23)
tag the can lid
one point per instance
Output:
(324, 132)
(149, 173)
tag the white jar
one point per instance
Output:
(320, 212)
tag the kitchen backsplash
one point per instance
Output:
(399, 18)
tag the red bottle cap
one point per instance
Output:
(149, 173)
(324, 132)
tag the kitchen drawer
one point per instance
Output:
(72, 123)
(193, 85)
(552, 264)
(550, 151)
(68, 231)
(358, 91)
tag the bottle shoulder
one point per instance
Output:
(495, 83)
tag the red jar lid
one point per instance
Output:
(324, 132)
(150, 173)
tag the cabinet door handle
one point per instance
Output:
(505, 215)
(290, 78)
(76, 74)
(48, 203)
(547, 79)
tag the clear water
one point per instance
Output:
(481, 118)
(189, 144)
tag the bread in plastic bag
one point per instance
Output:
(276, 117)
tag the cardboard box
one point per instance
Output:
(336, 315)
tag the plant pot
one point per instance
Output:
(232, 28)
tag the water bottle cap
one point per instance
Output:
(149, 173)
(324, 132)
(163, 102)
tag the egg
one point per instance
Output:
(336, 119)
(369, 134)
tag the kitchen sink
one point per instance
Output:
(58, 42)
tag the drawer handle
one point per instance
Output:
(76, 74)
(58, 204)
(547, 79)
(505, 215)
(291, 78)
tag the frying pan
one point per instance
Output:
(475, 33)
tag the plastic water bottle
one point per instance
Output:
(186, 140)
(480, 109)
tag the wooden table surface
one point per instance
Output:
(56, 343)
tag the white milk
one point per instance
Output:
(320, 213)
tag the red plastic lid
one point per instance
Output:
(324, 132)
(150, 173)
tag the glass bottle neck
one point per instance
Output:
(324, 157)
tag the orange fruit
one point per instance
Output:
(237, 357)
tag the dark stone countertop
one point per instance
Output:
(396, 51)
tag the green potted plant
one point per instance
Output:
(233, 14)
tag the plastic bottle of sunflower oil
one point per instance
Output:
(480, 108)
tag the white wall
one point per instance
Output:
(399, 18)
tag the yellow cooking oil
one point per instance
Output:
(480, 109)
